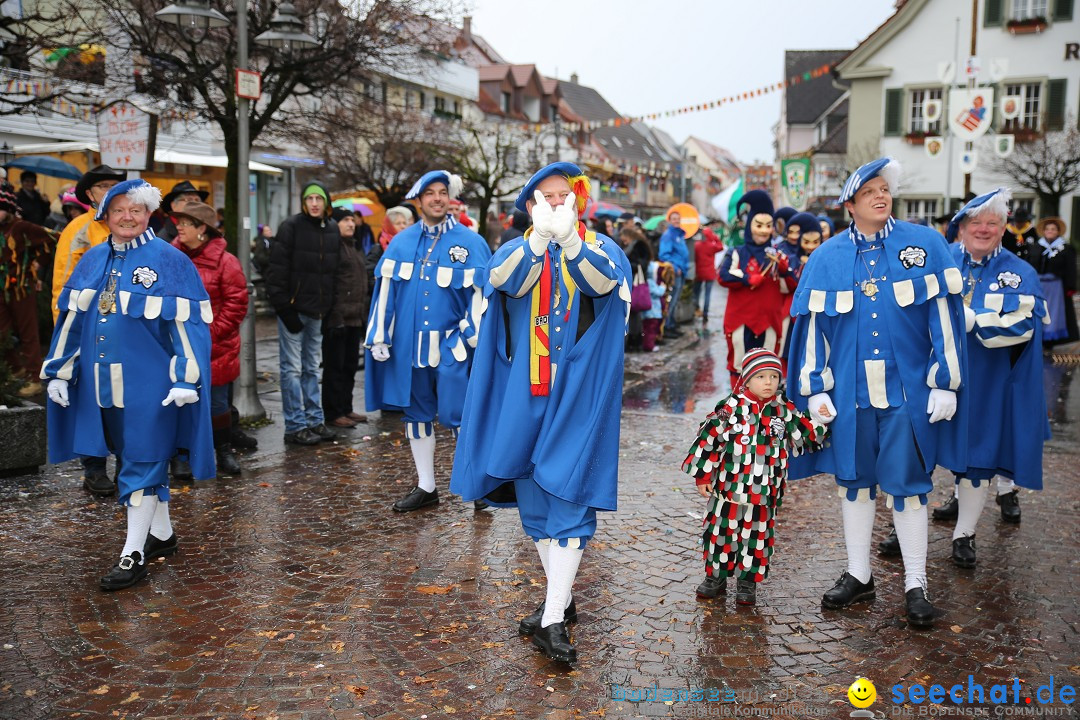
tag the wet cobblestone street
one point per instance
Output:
(298, 594)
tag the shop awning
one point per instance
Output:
(162, 156)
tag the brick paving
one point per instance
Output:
(297, 594)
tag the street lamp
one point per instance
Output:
(6, 154)
(286, 32)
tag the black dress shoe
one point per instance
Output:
(155, 548)
(963, 551)
(323, 432)
(180, 469)
(846, 591)
(529, 623)
(745, 592)
(920, 612)
(1010, 506)
(130, 570)
(555, 642)
(479, 505)
(890, 546)
(242, 440)
(949, 510)
(99, 483)
(304, 437)
(417, 499)
(710, 587)
(226, 461)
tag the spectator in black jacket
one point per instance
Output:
(305, 259)
(518, 226)
(343, 330)
(33, 205)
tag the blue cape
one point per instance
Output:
(152, 432)
(569, 441)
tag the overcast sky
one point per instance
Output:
(652, 56)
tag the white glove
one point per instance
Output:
(969, 319)
(543, 217)
(58, 392)
(181, 396)
(380, 352)
(564, 221)
(814, 405)
(941, 405)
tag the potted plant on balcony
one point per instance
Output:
(915, 137)
(22, 424)
(1026, 26)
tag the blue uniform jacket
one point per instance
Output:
(921, 300)
(1007, 405)
(567, 441)
(428, 316)
(158, 338)
(673, 249)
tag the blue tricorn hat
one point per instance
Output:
(885, 167)
(139, 190)
(1001, 195)
(758, 202)
(566, 169)
(452, 182)
(805, 222)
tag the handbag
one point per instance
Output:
(640, 297)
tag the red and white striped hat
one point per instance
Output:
(758, 360)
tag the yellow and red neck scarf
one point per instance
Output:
(540, 340)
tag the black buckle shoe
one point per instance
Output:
(745, 592)
(130, 570)
(1010, 506)
(243, 440)
(554, 641)
(99, 483)
(710, 587)
(303, 437)
(920, 612)
(324, 433)
(529, 624)
(227, 463)
(890, 546)
(155, 548)
(963, 551)
(417, 499)
(180, 469)
(948, 511)
(847, 591)
(479, 505)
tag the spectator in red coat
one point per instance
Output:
(705, 251)
(198, 237)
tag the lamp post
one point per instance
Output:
(286, 32)
(6, 154)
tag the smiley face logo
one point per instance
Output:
(862, 693)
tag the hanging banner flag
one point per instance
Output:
(795, 180)
(1004, 145)
(933, 146)
(126, 136)
(1010, 106)
(725, 203)
(969, 160)
(969, 112)
(932, 110)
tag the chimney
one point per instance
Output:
(466, 27)
(573, 78)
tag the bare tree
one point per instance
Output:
(1048, 166)
(486, 156)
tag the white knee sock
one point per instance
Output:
(911, 531)
(955, 491)
(858, 529)
(543, 549)
(972, 500)
(138, 524)
(423, 452)
(562, 569)
(1005, 485)
(161, 525)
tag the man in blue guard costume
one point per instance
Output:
(542, 412)
(425, 313)
(129, 370)
(1005, 312)
(878, 347)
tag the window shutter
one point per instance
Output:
(993, 13)
(1063, 10)
(1055, 105)
(894, 111)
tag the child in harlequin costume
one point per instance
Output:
(754, 274)
(739, 461)
(425, 311)
(1005, 312)
(879, 345)
(129, 370)
(542, 412)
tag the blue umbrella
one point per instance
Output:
(46, 165)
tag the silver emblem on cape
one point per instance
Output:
(458, 254)
(1009, 279)
(912, 257)
(143, 276)
(776, 428)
